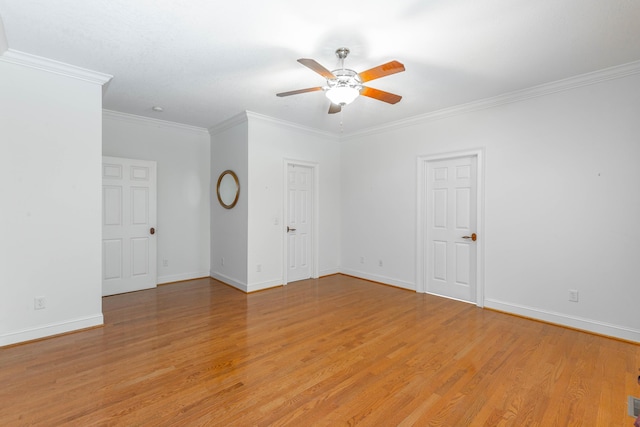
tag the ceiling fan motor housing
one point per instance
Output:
(345, 87)
(345, 77)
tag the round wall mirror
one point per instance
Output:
(228, 189)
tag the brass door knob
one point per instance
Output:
(472, 237)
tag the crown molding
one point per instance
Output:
(229, 123)
(55, 67)
(147, 121)
(292, 125)
(611, 73)
(246, 116)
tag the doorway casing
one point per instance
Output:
(315, 208)
(421, 234)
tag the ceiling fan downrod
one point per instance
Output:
(342, 53)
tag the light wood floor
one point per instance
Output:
(334, 351)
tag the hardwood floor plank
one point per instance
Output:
(333, 351)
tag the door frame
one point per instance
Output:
(315, 208)
(153, 220)
(421, 218)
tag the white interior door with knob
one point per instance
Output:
(299, 222)
(128, 225)
(451, 228)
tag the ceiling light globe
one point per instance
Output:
(342, 95)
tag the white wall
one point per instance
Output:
(4, 46)
(50, 186)
(256, 148)
(272, 142)
(182, 154)
(562, 204)
(229, 232)
(561, 200)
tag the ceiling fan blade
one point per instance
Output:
(381, 71)
(334, 108)
(380, 95)
(312, 64)
(295, 92)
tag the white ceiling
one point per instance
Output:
(205, 61)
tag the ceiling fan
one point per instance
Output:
(344, 85)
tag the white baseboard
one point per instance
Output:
(246, 287)
(380, 279)
(263, 285)
(180, 277)
(229, 281)
(588, 325)
(328, 272)
(51, 329)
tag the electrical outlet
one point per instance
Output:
(165, 263)
(380, 263)
(259, 268)
(361, 260)
(573, 295)
(222, 261)
(39, 303)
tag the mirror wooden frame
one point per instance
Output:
(224, 196)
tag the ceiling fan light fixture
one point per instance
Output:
(342, 95)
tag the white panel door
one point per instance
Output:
(128, 225)
(299, 216)
(450, 247)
